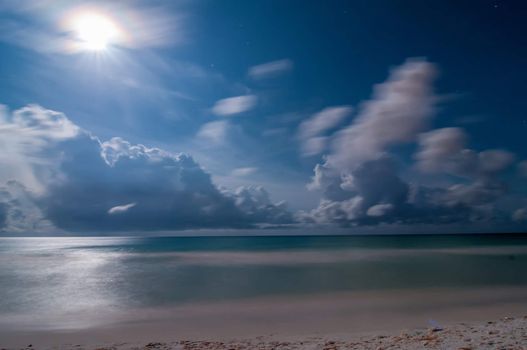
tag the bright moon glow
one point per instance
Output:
(95, 32)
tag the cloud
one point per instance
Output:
(172, 190)
(270, 69)
(215, 132)
(241, 172)
(3, 215)
(360, 182)
(310, 130)
(19, 212)
(121, 208)
(480, 192)
(439, 146)
(314, 145)
(379, 209)
(520, 215)
(399, 110)
(27, 136)
(255, 202)
(522, 168)
(83, 180)
(444, 150)
(372, 190)
(234, 105)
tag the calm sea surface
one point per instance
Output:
(48, 276)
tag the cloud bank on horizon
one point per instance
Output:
(58, 176)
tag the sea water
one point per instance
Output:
(59, 276)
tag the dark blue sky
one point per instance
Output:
(413, 113)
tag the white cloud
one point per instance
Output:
(360, 182)
(310, 130)
(234, 105)
(399, 110)
(82, 180)
(379, 210)
(241, 172)
(121, 208)
(437, 146)
(215, 132)
(116, 148)
(270, 69)
(314, 145)
(26, 136)
(444, 150)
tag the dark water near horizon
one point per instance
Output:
(62, 275)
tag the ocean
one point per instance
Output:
(52, 279)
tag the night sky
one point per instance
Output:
(318, 116)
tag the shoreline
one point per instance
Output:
(506, 333)
(344, 317)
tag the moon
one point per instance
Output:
(94, 32)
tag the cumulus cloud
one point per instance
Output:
(359, 180)
(270, 69)
(27, 138)
(89, 185)
(19, 212)
(399, 110)
(310, 130)
(373, 189)
(172, 190)
(256, 203)
(234, 105)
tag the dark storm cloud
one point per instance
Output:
(3, 215)
(95, 186)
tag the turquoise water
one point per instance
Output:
(69, 275)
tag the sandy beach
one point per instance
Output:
(507, 333)
(432, 318)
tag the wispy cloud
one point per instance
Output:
(121, 208)
(311, 130)
(215, 132)
(444, 150)
(234, 105)
(270, 69)
(241, 172)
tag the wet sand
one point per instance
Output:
(355, 320)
